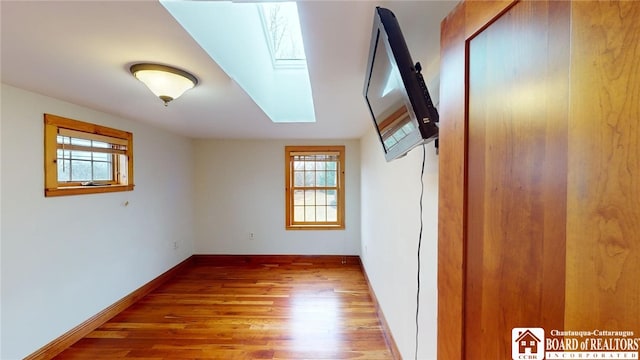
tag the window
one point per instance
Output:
(314, 187)
(281, 26)
(83, 158)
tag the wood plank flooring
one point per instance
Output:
(247, 308)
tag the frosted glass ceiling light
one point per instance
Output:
(167, 82)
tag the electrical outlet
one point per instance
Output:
(252, 236)
(175, 245)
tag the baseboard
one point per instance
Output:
(231, 260)
(386, 330)
(63, 342)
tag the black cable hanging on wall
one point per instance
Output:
(424, 156)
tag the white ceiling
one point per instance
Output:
(80, 52)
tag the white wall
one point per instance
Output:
(66, 258)
(390, 232)
(254, 171)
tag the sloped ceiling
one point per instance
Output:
(80, 52)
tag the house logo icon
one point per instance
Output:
(527, 343)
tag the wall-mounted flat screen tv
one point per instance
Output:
(394, 89)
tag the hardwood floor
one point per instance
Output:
(247, 308)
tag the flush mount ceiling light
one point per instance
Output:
(167, 82)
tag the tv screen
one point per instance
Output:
(397, 96)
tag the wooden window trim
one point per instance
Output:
(291, 151)
(55, 125)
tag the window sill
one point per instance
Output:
(81, 190)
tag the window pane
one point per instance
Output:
(321, 213)
(332, 213)
(310, 213)
(320, 165)
(332, 197)
(310, 197)
(63, 154)
(321, 197)
(80, 170)
(81, 155)
(321, 178)
(64, 139)
(298, 165)
(309, 178)
(298, 178)
(81, 142)
(64, 170)
(102, 156)
(298, 197)
(309, 165)
(281, 26)
(102, 171)
(332, 178)
(331, 165)
(100, 144)
(298, 213)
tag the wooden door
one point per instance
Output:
(516, 171)
(539, 145)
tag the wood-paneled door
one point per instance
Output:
(539, 172)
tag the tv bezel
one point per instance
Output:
(416, 95)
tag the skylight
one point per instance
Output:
(260, 47)
(281, 26)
